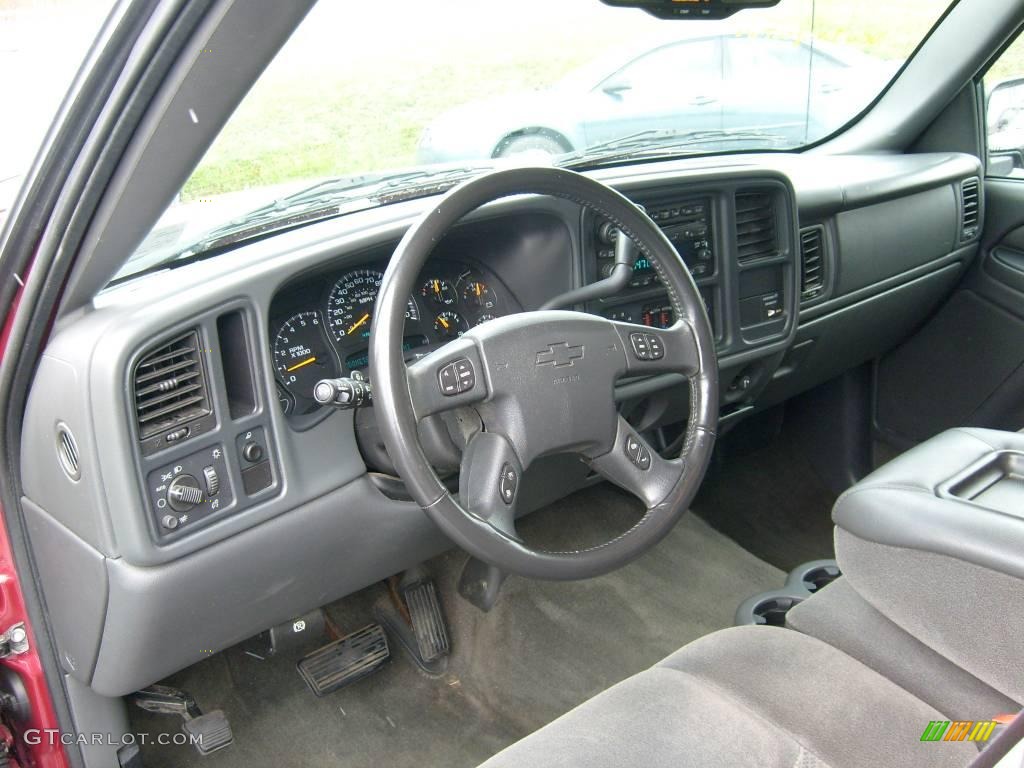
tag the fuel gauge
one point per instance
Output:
(478, 295)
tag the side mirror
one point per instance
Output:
(616, 86)
(1004, 117)
(1004, 112)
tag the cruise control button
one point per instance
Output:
(641, 349)
(643, 459)
(632, 448)
(507, 483)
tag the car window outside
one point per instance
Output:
(379, 87)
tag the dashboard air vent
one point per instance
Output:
(812, 263)
(170, 386)
(969, 196)
(755, 226)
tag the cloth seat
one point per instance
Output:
(746, 696)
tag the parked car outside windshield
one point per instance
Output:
(367, 102)
(793, 91)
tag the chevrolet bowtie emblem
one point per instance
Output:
(560, 355)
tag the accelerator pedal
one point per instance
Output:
(427, 619)
(346, 660)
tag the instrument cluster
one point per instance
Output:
(321, 329)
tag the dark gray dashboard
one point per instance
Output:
(808, 264)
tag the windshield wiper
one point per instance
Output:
(659, 142)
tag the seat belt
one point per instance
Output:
(1001, 745)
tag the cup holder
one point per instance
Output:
(770, 608)
(813, 576)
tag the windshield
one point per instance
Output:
(383, 101)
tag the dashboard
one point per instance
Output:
(175, 463)
(320, 325)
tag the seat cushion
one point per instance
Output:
(747, 696)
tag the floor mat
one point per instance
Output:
(772, 502)
(544, 648)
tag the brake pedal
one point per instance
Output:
(346, 660)
(427, 620)
(209, 732)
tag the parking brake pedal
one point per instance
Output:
(209, 732)
(346, 660)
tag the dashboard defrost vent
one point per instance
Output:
(755, 226)
(812, 263)
(170, 386)
(969, 197)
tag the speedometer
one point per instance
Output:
(351, 302)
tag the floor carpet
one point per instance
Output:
(772, 502)
(543, 649)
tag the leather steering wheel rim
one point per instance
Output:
(510, 362)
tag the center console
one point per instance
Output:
(934, 540)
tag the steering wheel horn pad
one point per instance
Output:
(542, 383)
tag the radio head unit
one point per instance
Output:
(687, 225)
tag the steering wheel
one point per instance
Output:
(543, 383)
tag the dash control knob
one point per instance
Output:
(184, 493)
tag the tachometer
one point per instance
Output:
(301, 356)
(351, 302)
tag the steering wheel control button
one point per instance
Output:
(641, 347)
(643, 459)
(637, 453)
(655, 347)
(466, 375)
(456, 377)
(448, 380)
(632, 448)
(507, 483)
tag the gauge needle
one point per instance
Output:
(443, 322)
(362, 320)
(478, 290)
(303, 364)
(437, 288)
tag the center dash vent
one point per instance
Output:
(812, 263)
(170, 386)
(969, 212)
(755, 226)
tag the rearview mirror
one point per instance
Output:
(691, 9)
